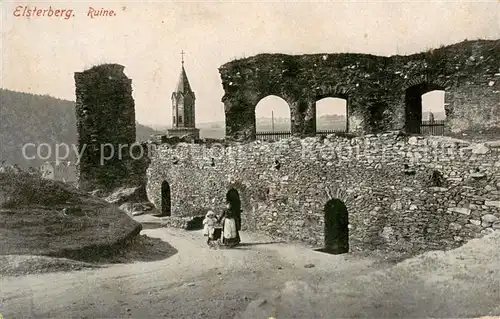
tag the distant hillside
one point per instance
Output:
(217, 129)
(438, 116)
(324, 122)
(29, 118)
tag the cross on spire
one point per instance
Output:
(182, 57)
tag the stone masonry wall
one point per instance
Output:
(284, 187)
(105, 115)
(382, 93)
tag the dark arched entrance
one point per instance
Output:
(233, 198)
(336, 227)
(165, 199)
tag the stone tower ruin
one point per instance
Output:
(106, 126)
(183, 109)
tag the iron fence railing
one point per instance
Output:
(432, 127)
(273, 136)
(279, 135)
(426, 128)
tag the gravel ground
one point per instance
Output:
(262, 279)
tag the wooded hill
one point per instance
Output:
(29, 118)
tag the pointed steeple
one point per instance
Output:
(183, 83)
(183, 102)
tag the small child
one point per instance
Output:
(209, 225)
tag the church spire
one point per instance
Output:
(183, 83)
(183, 105)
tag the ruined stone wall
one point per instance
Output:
(184, 132)
(375, 87)
(105, 116)
(282, 187)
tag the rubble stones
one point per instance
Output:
(413, 140)
(495, 203)
(493, 143)
(490, 188)
(488, 219)
(125, 194)
(387, 233)
(455, 226)
(460, 210)
(396, 206)
(480, 149)
(126, 207)
(475, 222)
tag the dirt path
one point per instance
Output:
(264, 279)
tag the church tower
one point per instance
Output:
(183, 108)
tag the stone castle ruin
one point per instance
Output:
(106, 128)
(381, 189)
(386, 183)
(382, 93)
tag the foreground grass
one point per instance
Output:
(49, 218)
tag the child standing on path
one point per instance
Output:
(209, 226)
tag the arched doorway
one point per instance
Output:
(336, 227)
(233, 198)
(165, 199)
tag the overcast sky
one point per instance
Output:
(40, 55)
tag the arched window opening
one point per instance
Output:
(433, 113)
(331, 115)
(425, 109)
(272, 118)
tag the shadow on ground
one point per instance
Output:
(196, 223)
(331, 251)
(20, 265)
(259, 244)
(146, 225)
(141, 248)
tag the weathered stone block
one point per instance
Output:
(455, 226)
(480, 149)
(460, 210)
(489, 219)
(475, 222)
(494, 203)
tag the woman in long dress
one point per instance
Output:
(230, 234)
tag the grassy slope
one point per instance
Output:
(32, 221)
